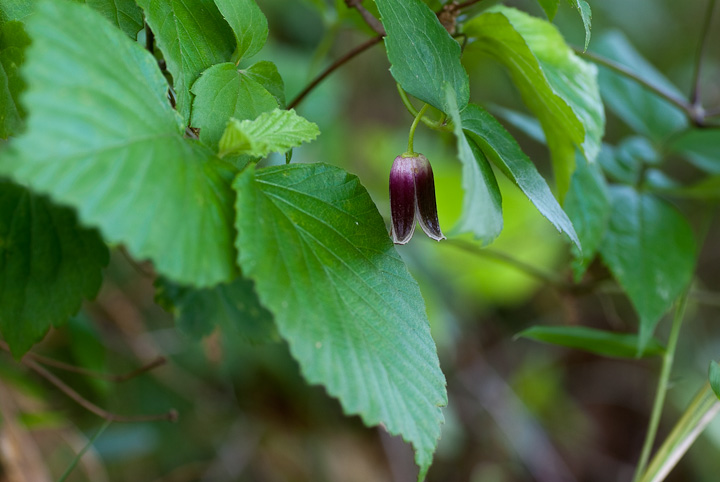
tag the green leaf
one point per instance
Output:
(423, 54)
(11, 10)
(13, 42)
(586, 14)
(123, 13)
(714, 377)
(701, 147)
(642, 110)
(102, 138)
(248, 23)
(266, 74)
(222, 92)
(48, 265)
(605, 343)
(192, 36)
(650, 250)
(322, 261)
(276, 131)
(559, 88)
(482, 203)
(234, 307)
(550, 7)
(588, 207)
(500, 147)
(525, 123)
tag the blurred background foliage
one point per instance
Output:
(518, 411)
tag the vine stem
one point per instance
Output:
(695, 94)
(411, 137)
(87, 446)
(662, 387)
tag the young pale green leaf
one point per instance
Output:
(102, 137)
(714, 377)
(266, 74)
(222, 92)
(550, 7)
(500, 147)
(559, 88)
(482, 203)
(640, 108)
(275, 131)
(600, 342)
(701, 147)
(586, 15)
(422, 53)
(232, 307)
(588, 207)
(48, 265)
(123, 13)
(650, 250)
(248, 23)
(192, 36)
(322, 261)
(13, 42)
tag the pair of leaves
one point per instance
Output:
(559, 88)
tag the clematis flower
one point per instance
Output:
(412, 197)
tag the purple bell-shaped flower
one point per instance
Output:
(412, 196)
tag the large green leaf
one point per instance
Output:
(102, 137)
(500, 147)
(248, 23)
(48, 265)
(312, 240)
(13, 42)
(267, 75)
(123, 13)
(701, 147)
(233, 307)
(192, 36)
(482, 203)
(275, 131)
(556, 85)
(644, 111)
(606, 343)
(588, 207)
(423, 54)
(650, 249)
(222, 92)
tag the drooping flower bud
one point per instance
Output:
(412, 197)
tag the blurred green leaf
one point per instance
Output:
(266, 74)
(525, 123)
(588, 207)
(550, 7)
(482, 203)
(701, 147)
(248, 23)
(600, 342)
(312, 240)
(223, 92)
(500, 147)
(642, 110)
(423, 54)
(275, 131)
(102, 137)
(13, 42)
(558, 87)
(192, 36)
(234, 307)
(123, 13)
(650, 249)
(48, 265)
(714, 377)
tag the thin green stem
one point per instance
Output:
(77, 458)
(411, 152)
(436, 125)
(695, 94)
(662, 386)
